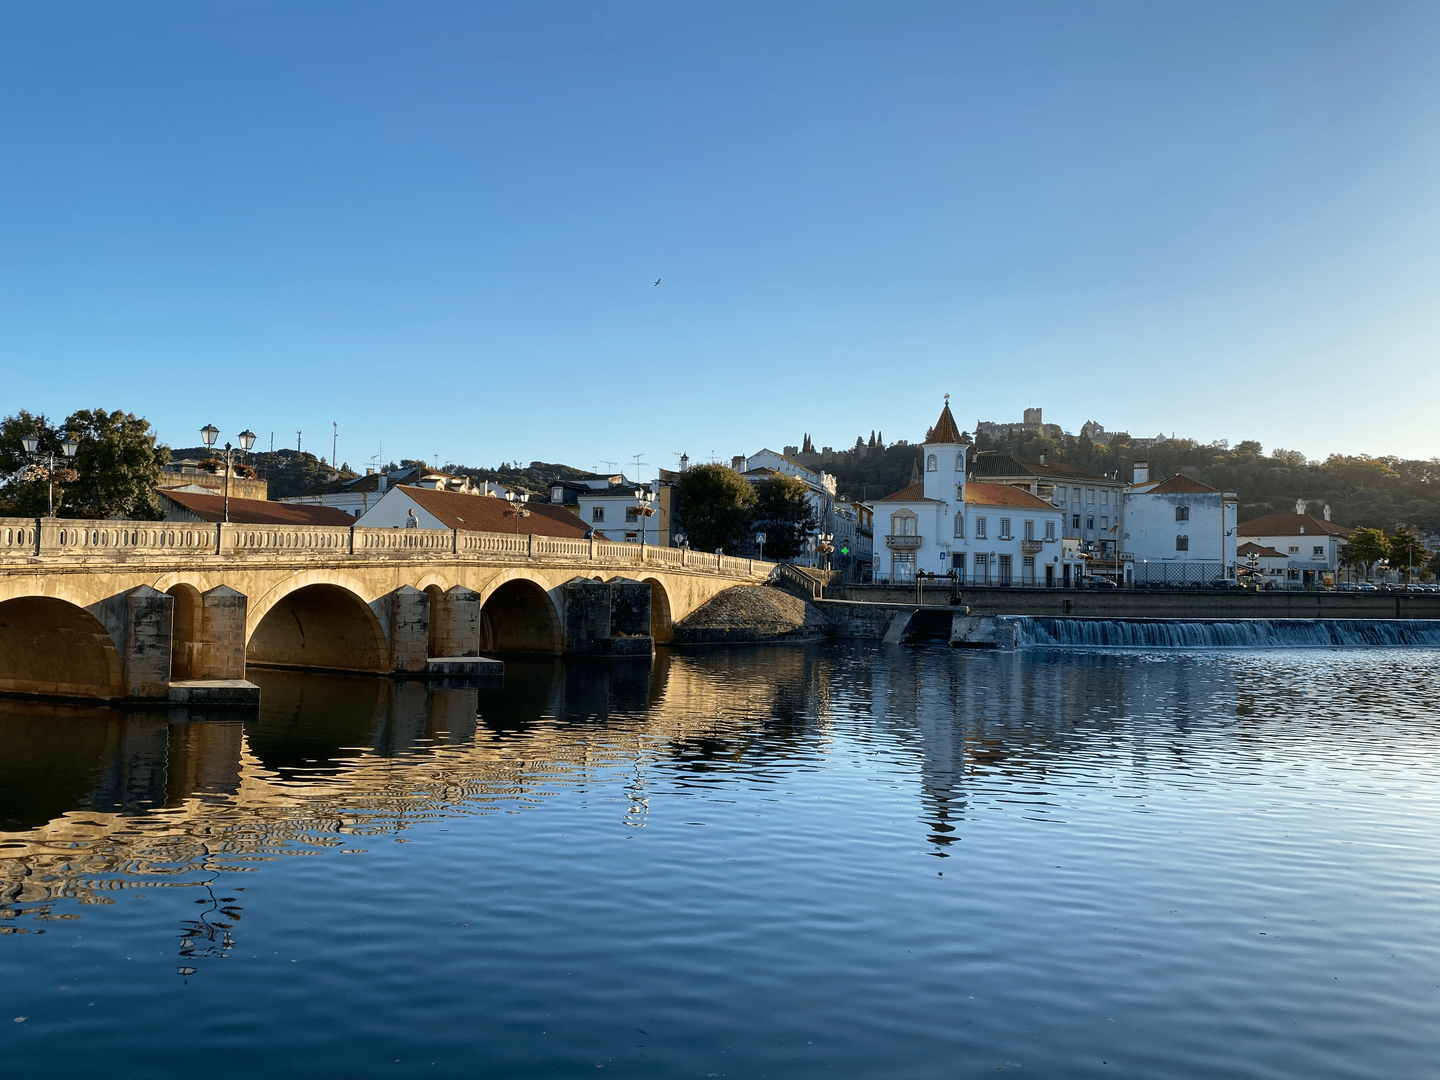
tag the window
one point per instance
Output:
(979, 528)
(597, 513)
(903, 523)
(1075, 522)
(1004, 570)
(1027, 570)
(1090, 495)
(1105, 496)
(1059, 496)
(960, 494)
(1317, 552)
(1004, 528)
(1089, 524)
(1075, 495)
(931, 464)
(902, 566)
(1182, 543)
(1049, 530)
(1104, 523)
(1294, 550)
(960, 461)
(960, 526)
(1182, 513)
(631, 514)
(1029, 530)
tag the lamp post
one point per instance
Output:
(247, 439)
(824, 543)
(517, 507)
(760, 542)
(644, 508)
(31, 443)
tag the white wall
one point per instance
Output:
(390, 512)
(1150, 527)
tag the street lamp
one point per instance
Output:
(644, 508)
(31, 443)
(247, 439)
(760, 540)
(824, 543)
(517, 507)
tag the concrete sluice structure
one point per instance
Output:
(148, 612)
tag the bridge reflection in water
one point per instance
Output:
(94, 801)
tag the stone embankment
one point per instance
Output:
(752, 613)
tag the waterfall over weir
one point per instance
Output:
(1050, 632)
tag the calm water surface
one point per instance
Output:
(832, 861)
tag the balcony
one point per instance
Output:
(1032, 547)
(903, 543)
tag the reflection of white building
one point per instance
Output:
(1178, 531)
(990, 534)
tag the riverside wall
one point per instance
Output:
(1176, 604)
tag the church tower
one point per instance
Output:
(944, 461)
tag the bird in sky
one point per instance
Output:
(657, 281)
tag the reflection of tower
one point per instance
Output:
(637, 790)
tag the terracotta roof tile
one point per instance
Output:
(913, 493)
(981, 494)
(486, 513)
(1180, 484)
(1258, 550)
(256, 511)
(1291, 524)
(945, 429)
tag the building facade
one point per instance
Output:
(1178, 531)
(986, 533)
(1089, 504)
(1312, 548)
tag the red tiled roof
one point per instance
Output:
(1291, 524)
(913, 493)
(945, 429)
(1180, 484)
(981, 494)
(486, 513)
(255, 511)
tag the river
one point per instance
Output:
(825, 860)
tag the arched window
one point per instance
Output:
(960, 461)
(903, 523)
(959, 526)
(931, 464)
(1182, 513)
(1182, 543)
(960, 493)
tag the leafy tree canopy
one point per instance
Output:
(1366, 548)
(783, 513)
(714, 504)
(113, 474)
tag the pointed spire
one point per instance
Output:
(945, 429)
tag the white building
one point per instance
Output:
(607, 504)
(1312, 548)
(821, 484)
(405, 506)
(1178, 531)
(990, 534)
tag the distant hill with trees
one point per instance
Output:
(1381, 492)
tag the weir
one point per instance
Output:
(1026, 631)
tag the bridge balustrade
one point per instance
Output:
(27, 538)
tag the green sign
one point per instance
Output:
(844, 551)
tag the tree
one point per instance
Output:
(1366, 548)
(24, 491)
(783, 512)
(118, 465)
(713, 505)
(1407, 551)
(1433, 566)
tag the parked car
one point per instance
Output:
(1366, 586)
(1100, 583)
(1348, 586)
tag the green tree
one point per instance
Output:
(1433, 565)
(24, 489)
(118, 465)
(713, 504)
(783, 512)
(1366, 548)
(1407, 552)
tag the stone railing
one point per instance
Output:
(26, 539)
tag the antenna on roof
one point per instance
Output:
(609, 465)
(638, 463)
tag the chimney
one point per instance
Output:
(1142, 472)
(1327, 511)
(369, 472)
(1299, 506)
(384, 481)
(1042, 459)
(738, 462)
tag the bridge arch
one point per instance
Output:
(662, 625)
(518, 615)
(185, 628)
(320, 626)
(55, 648)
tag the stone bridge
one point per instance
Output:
(132, 610)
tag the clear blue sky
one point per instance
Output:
(439, 224)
